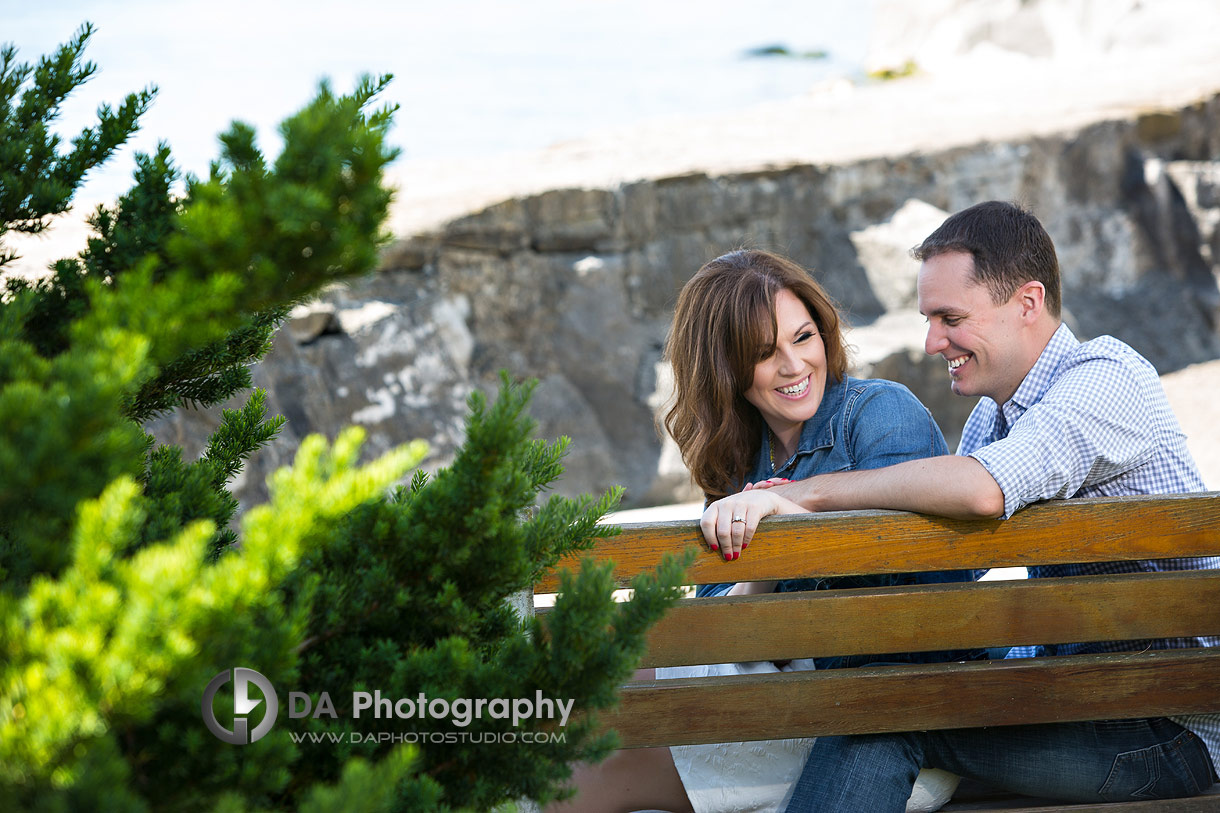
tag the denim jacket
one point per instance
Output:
(860, 424)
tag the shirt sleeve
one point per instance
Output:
(887, 425)
(1090, 426)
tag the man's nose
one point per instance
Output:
(935, 341)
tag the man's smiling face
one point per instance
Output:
(978, 339)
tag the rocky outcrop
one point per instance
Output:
(947, 35)
(575, 287)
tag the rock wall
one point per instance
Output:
(937, 35)
(575, 287)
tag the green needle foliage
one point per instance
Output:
(36, 179)
(126, 582)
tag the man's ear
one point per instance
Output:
(1032, 298)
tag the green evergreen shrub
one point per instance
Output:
(126, 584)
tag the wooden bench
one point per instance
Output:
(921, 618)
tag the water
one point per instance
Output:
(473, 77)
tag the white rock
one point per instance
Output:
(308, 322)
(884, 251)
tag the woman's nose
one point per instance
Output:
(789, 362)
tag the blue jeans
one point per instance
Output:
(1107, 761)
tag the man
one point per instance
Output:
(1058, 419)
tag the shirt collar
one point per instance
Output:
(1038, 380)
(818, 431)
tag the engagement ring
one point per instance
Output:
(738, 519)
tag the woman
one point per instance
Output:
(761, 392)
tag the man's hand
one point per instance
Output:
(729, 523)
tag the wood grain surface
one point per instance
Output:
(912, 698)
(855, 542)
(924, 618)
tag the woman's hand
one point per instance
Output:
(728, 524)
(770, 481)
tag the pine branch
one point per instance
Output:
(37, 180)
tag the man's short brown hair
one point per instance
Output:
(1009, 247)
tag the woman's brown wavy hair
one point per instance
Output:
(723, 325)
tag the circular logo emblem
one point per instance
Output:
(242, 705)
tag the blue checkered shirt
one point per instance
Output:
(1091, 420)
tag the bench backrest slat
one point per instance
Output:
(879, 699)
(852, 542)
(957, 616)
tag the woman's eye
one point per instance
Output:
(804, 337)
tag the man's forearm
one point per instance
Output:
(950, 486)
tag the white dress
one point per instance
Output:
(756, 777)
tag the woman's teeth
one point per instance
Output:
(795, 389)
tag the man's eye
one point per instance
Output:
(952, 321)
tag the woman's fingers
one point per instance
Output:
(728, 529)
(737, 530)
(753, 516)
(707, 524)
(728, 525)
(718, 527)
(745, 523)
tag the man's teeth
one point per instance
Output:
(958, 362)
(795, 389)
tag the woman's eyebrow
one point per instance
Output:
(802, 328)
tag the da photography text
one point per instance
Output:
(460, 712)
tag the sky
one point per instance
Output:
(473, 77)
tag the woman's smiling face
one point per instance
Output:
(788, 385)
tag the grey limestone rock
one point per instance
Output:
(575, 287)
